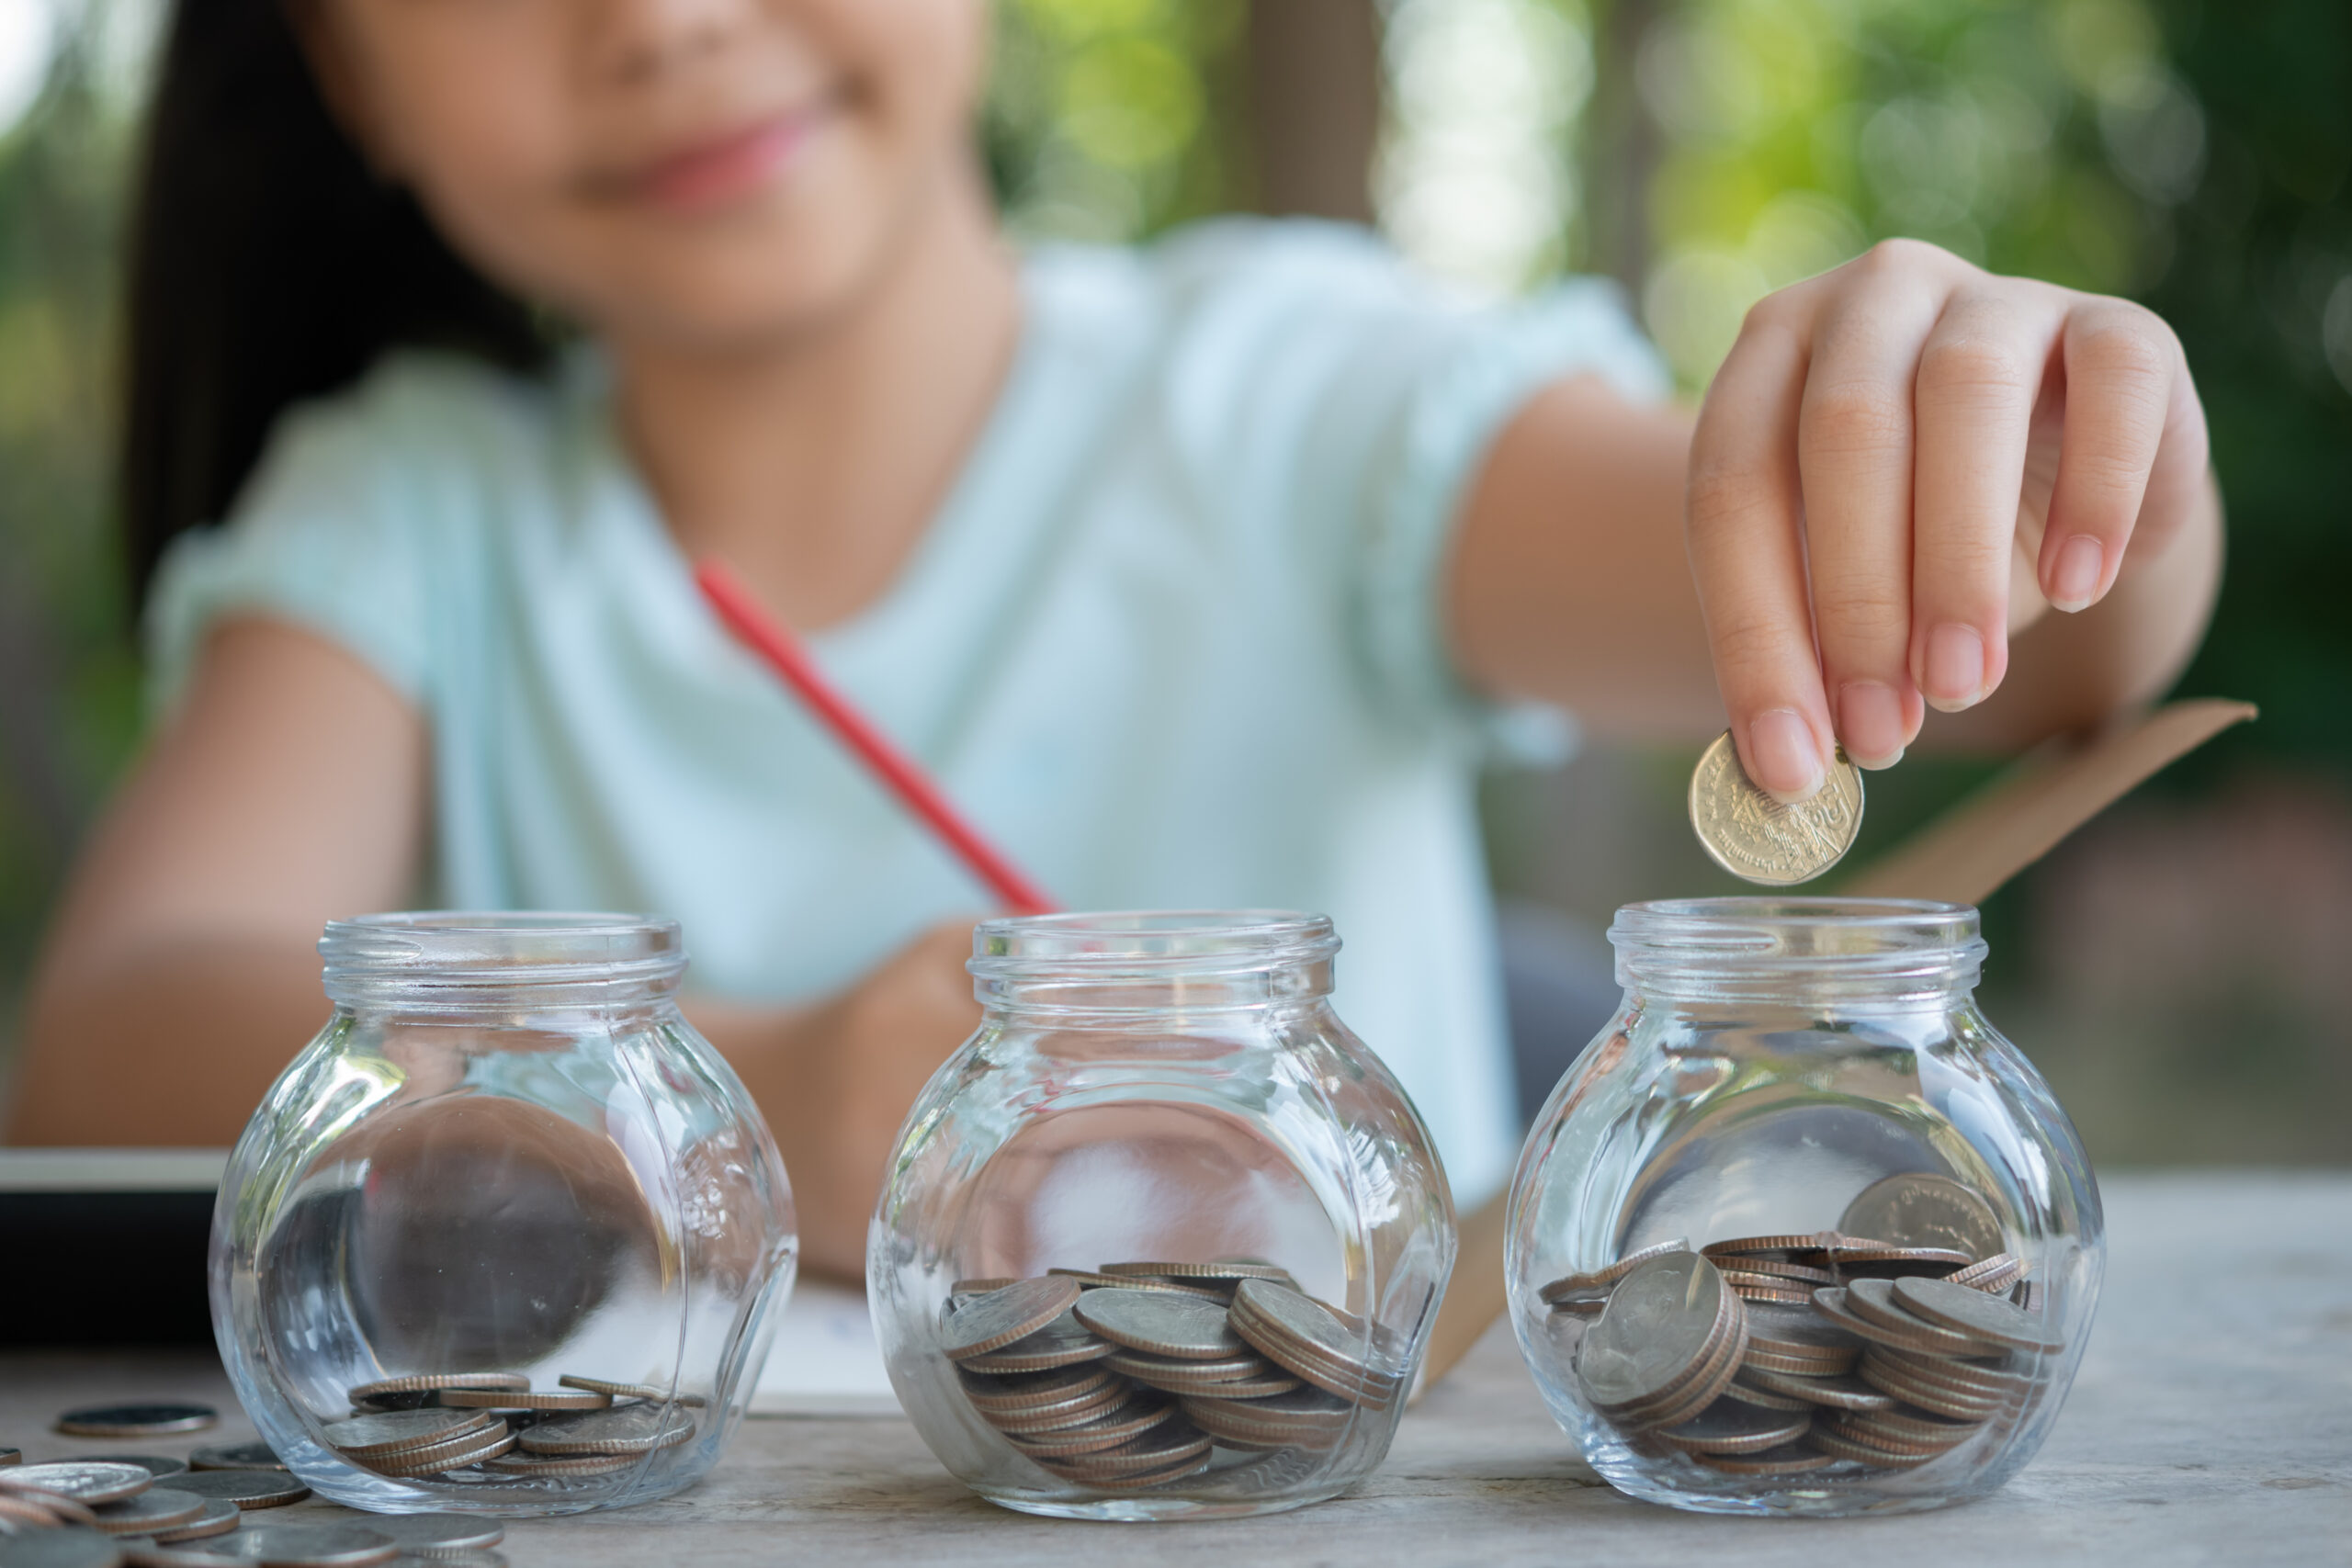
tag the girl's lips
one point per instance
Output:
(726, 167)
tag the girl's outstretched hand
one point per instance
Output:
(836, 1078)
(1902, 463)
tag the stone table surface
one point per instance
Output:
(2212, 1423)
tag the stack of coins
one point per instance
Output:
(1129, 1377)
(435, 1424)
(145, 1512)
(1774, 1355)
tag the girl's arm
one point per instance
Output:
(289, 789)
(182, 971)
(1858, 509)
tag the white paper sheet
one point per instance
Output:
(824, 1360)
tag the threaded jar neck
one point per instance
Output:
(462, 961)
(1123, 966)
(1798, 950)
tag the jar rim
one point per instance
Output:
(1755, 943)
(1149, 942)
(479, 948)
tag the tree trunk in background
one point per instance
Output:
(1315, 105)
(1621, 147)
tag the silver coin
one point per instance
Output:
(72, 1546)
(631, 1390)
(448, 1560)
(1920, 1208)
(219, 1518)
(90, 1481)
(297, 1546)
(1230, 1272)
(1300, 1323)
(136, 1420)
(434, 1534)
(1576, 1287)
(475, 1448)
(1036, 1391)
(1061, 1342)
(1755, 837)
(1660, 1324)
(1976, 1314)
(150, 1511)
(994, 1321)
(625, 1429)
(154, 1464)
(515, 1462)
(1121, 1424)
(1733, 1427)
(245, 1488)
(423, 1389)
(370, 1437)
(1161, 1324)
(1873, 1301)
(236, 1456)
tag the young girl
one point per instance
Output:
(1201, 575)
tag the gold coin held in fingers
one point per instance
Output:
(1756, 838)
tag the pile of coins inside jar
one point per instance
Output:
(1775, 1355)
(1130, 1376)
(494, 1425)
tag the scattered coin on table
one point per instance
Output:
(236, 1456)
(219, 1517)
(1906, 1351)
(248, 1489)
(1124, 1387)
(434, 1535)
(137, 1420)
(88, 1482)
(284, 1546)
(1755, 837)
(158, 1465)
(149, 1512)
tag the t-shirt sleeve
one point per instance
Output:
(1422, 476)
(328, 534)
(1361, 399)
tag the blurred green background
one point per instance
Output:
(2182, 969)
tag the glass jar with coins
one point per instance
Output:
(1799, 1233)
(1163, 1239)
(508, 1236)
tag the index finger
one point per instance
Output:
(1747, 544)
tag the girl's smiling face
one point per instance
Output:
(703, 174)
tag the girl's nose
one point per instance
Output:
(637, 41)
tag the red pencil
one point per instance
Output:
(902, 772)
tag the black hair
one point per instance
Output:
(268, 264)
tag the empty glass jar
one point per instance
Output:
(507, 1236)
(1163, 1239)
(1799, 1233)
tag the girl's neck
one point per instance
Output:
(814, 463)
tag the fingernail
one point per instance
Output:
(2074, 576)
(1788, 761)
(1955, 673)
(1870, 720)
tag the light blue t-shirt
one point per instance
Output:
(1173, 638)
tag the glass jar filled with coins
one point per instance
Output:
(1799, 1233)
(508, 1236)
(1163, 1239)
